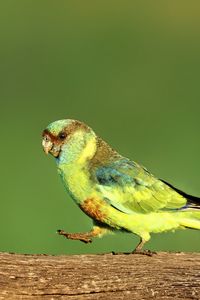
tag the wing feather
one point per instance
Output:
(130, 188)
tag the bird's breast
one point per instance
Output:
(77, 181)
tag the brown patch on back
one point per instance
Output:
(93, 208)
(104, 154)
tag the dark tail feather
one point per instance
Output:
(193, 202)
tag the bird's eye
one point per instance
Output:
(46, 138)
(62, 135)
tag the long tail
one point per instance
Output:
(192, 201)
(190, 219)
(190, 213)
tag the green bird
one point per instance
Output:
(117, 193)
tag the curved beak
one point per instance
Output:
(47, 146)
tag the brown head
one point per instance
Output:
(60, 133)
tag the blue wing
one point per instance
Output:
(130, 188)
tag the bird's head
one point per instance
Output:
(68, 138)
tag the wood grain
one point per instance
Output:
(163, 276)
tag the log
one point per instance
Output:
(162, 276)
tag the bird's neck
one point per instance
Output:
(78, 149)
(73, 166)
(77, 163)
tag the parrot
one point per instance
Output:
(118, 194)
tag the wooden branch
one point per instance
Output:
(163, 276)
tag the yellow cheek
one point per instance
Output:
(88, 151)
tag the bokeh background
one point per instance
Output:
(131, 70)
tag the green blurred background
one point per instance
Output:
(131, 70)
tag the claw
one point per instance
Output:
(75, 236)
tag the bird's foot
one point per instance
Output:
(83, 237)
(144, 252)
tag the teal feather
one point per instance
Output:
(136, 189)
